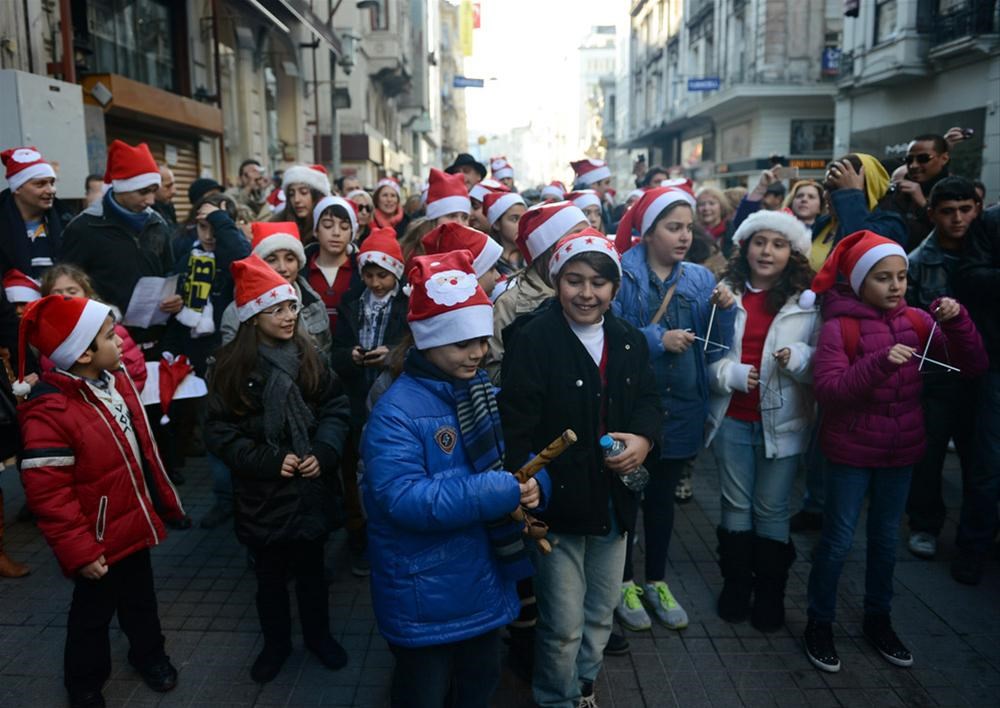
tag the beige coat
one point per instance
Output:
(524, 295)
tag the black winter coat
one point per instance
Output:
(270, 508)
(550, 384)
(14, 245)
(977, 280)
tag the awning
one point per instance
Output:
(280, 11)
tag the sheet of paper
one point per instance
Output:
(144, 307)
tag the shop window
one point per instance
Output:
(134, 38)
(885, 20)
(812, 137)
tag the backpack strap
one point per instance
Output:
(850, 332)
(919, 326)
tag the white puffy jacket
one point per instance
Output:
(787, 405)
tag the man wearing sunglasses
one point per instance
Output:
(926, 164)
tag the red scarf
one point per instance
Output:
(717, 231)
(388, 222)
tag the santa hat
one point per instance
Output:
(258, 287)
(60, 328)
(641, 216)
(313, 176)
(276, 199)
(130, 169)
(589, 171)
(480, 189)
(587, 241)
(798, 234)
(554, 191)
(457, 237)
(446, 194)
(446, 304)
(496, 204)
(331, 201)
(171, 373)
(500, 168)
(544, 224)
(634, 194)
(852, 258)
(19, 287)
(584, 198)
(269, 237)
(391, 183)
(25, 164)
(382, 249)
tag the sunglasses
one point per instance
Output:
(364, 207)
(923, 158)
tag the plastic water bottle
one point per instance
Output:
(637, 479)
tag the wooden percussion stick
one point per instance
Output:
(554, 449)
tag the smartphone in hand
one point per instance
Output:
(783, 172)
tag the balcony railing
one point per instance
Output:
(971, 18)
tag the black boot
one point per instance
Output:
(771, 561)
(736, 564)
(276, 624)
(314, 614)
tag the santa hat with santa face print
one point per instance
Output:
(641, 216)
(500, 168)
(589, 171)
(129, 168)
(60, 328)
(258, 287)
(447, 305)
(382, 249)
(23, 165)
(446, 194)
(544, 224)
(587, 241)
(271, 236)
(479, 190)
(852, 258)
(331, 201)
(20, 288)
(313, 176)
(458, 237)
(496, 204)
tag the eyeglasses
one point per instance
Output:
(364, 207)
(923, 158)
(288, 308)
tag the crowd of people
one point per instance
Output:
(484, 387)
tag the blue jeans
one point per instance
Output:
(222, 480)
(755, 490)
(577, 587)
(981, 490)
(846, 488)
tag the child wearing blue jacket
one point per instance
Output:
(671, 303)
(444, 557)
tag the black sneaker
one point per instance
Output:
(967, 568)
(818, 640)
(617, 645)
(329, 652)
(160, 675)
(878, 630)
(86, 699)
(805, 521)
(217, 515)
(268, 663)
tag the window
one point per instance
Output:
(812, 137)
(380, 17)
(134, 38)
(885, 20)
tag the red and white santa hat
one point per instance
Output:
(480, 189)
(587, 241)
(544, 224)
(500, 168)
(453, 236)
(784, 222)
(554, 191)
(382, 249)
(391, 183)
(589, 171)
(171, 372)
(20, 288)
(331, 201)
(313, 176)
(446, 194)
(641, 216)
(447, 305)
(584, 198)
(496, 204)
(60, 328)
(276, 199)
(25, 164)
(269, 237)
(129, 168)
(852, 258)
(258, 287)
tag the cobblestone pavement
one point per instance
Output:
(206, 605)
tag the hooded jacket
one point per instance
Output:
(872, 415)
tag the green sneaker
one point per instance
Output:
(667, 610)
(630, 611)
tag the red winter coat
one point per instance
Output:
(81, 478)
(871, 411)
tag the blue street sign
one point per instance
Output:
(710, 83)
(465, 82)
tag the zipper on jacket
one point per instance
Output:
(102, 514)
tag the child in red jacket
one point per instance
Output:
(93, 476)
